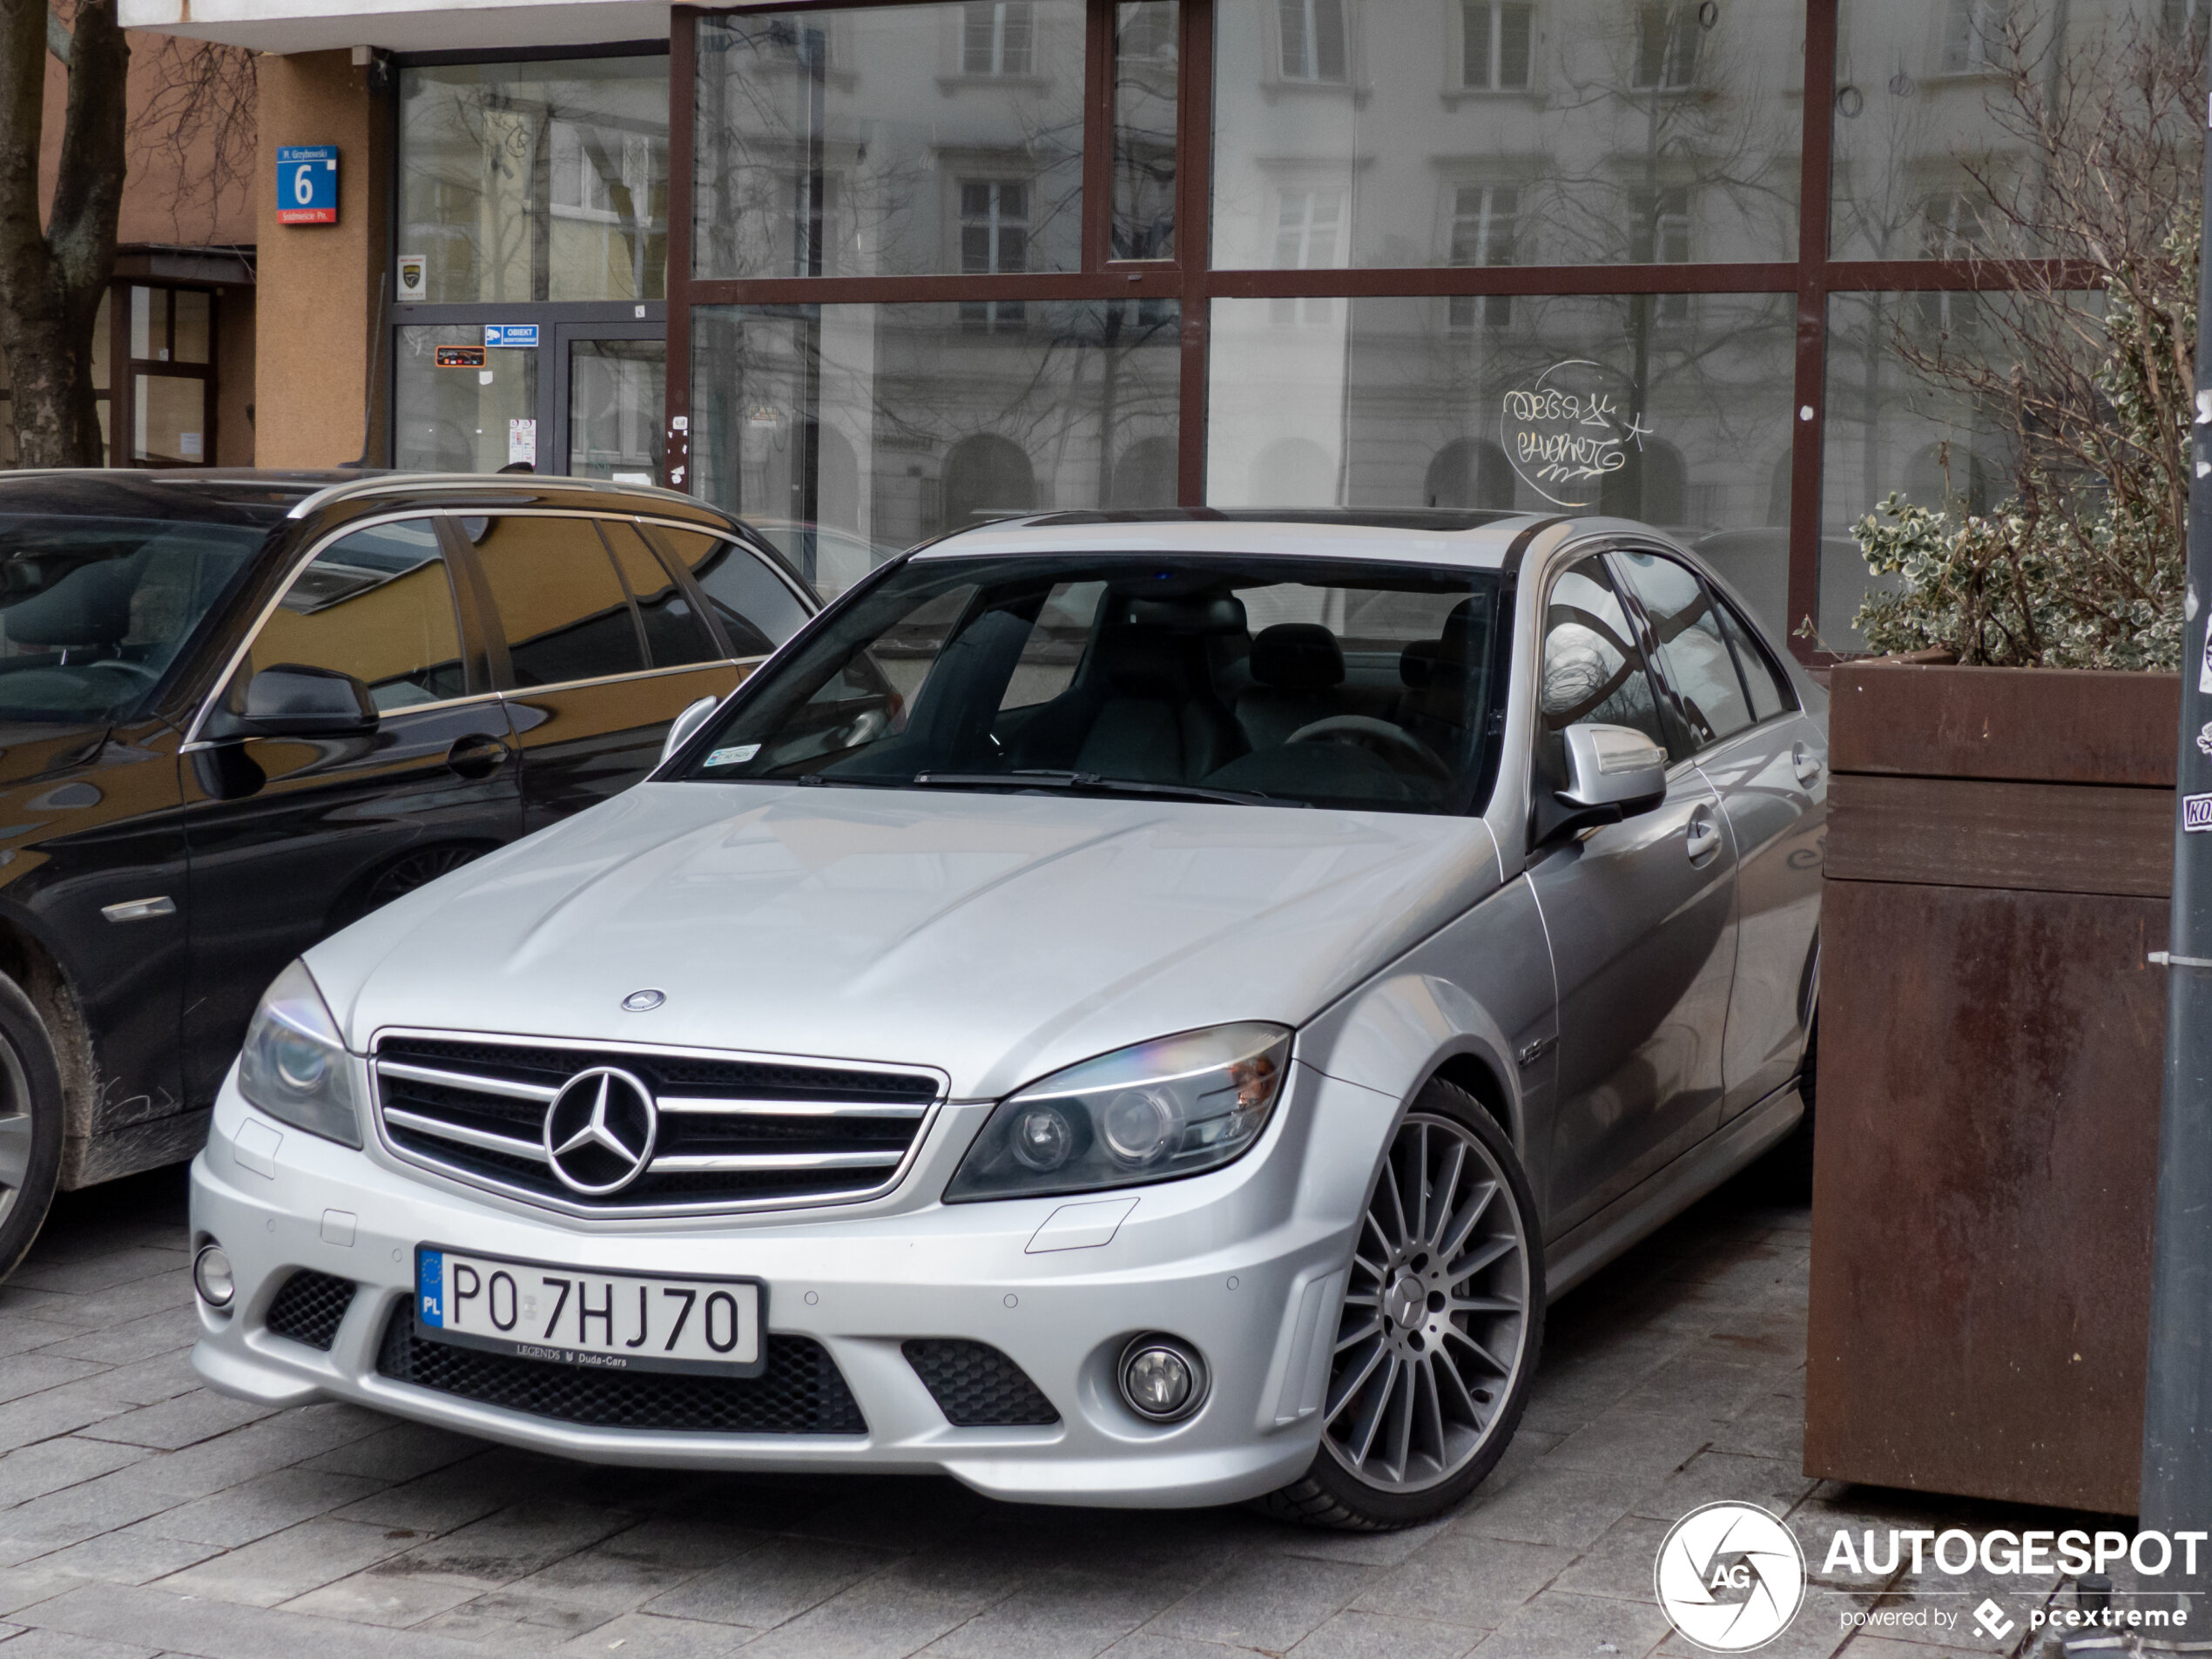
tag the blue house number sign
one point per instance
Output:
(307, 181)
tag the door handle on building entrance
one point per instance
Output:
(477, 756)
(1702, 838)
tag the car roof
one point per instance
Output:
(206, 495)
(266, 498)
(1481, 540)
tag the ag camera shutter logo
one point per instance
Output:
(1731, 1577)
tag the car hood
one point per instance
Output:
(995, 937)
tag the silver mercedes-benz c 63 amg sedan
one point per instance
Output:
(1136, 1008)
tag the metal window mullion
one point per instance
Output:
(1809, 382)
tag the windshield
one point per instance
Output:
(92, 610)
(1289, 682)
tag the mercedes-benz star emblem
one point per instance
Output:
(644, 1002)
(599, 1131)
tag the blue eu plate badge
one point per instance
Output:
(430, 1285)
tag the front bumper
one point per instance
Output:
(1246, 1263)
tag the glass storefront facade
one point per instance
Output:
(532, 194)
(927, 264)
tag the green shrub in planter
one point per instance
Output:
(2063, 574)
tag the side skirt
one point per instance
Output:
(1644, 1208)
(87, 1163)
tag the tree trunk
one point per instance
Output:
(52, 277)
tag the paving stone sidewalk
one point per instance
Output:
(142, 1513)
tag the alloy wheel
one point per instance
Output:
(17, 1136)
(1435, 1323)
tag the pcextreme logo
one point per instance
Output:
(1731, 1576)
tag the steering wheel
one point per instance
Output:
(1390, 744)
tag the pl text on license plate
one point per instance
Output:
(598, 1321)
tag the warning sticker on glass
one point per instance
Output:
(521, 441)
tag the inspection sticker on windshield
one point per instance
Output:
(732, 757)
(598, 1321)
(2196, 812)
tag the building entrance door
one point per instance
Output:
(610, 385)
(586, 399)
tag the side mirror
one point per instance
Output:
(686, 724)
(1616, 768)
(292, 700)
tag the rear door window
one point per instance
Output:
(561, 606)
(1693, 651)
(675, 635)
(1770, 689)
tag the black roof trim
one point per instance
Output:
(1511, 566)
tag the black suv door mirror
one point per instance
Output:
(293, 700)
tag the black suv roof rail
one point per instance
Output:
(383, 482)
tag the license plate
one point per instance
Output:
(598, 1321)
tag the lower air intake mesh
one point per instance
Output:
(975, 1385)
(801, 1391)
(310, 1308)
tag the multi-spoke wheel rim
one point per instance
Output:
(1436, 1320)
(16, 1134)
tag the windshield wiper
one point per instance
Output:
(1091, 783)
(827, 780)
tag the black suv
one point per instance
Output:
(239, 710)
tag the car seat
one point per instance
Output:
(1298, 667)
(1155, 716)
(1434, 706)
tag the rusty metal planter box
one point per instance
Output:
(1998, 863)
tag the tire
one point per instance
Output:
(1420, 1406)
(30, 1125)
(403, 876)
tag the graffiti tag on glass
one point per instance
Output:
(1567, 430)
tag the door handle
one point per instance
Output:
(1803, 764)
(1702, 836)
(476, 756)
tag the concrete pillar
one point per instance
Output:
(318, 371)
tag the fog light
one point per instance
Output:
(210, 1277)
(1162, 1380)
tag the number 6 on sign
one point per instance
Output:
(306, 177)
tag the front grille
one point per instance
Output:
(976, 1385)
(310, 1308)
(801, 1390)
(733, 1133)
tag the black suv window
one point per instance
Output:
(1693, 651)
(560, 602)
(759, 611)
(377, 604)
(92, 610)
(675, 634)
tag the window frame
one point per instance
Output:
(1190, 280)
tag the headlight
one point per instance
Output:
(294, 1066)
(1160, 1109)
